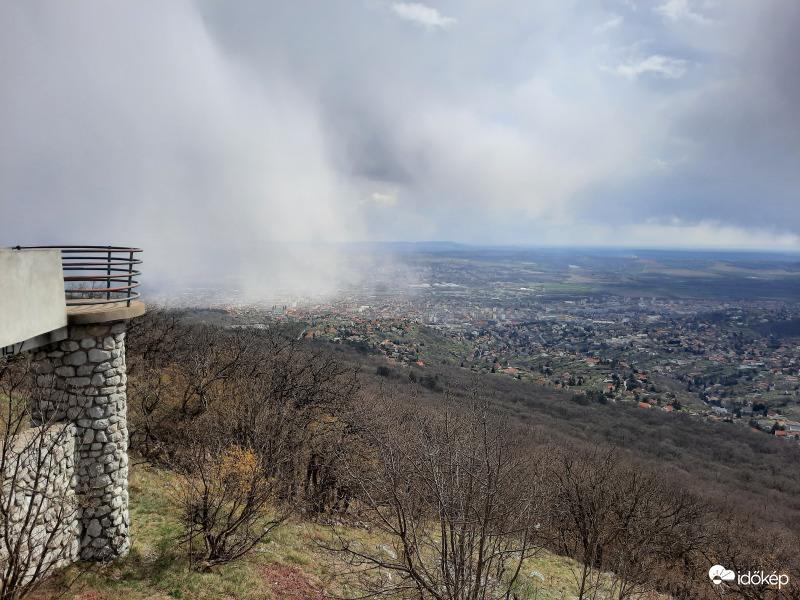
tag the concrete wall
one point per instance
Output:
(41, 532)
(31, 294)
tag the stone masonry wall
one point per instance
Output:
(40, 531)
(86, 373)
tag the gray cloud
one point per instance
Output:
(203, 130)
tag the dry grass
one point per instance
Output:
(291, 564)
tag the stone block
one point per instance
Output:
(97, 356)
(101, 481)
(94, 529)
(109, 343)
(88, 342)
(65, 371)
(102, 545)
(100, 424)
(69, 345)
(87, 553)
(118, 327)
(42, 367)
(98, 380)
(84, 370)
(103, 366)
(98, 330)
(75, 359)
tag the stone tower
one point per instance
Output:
(82, 367)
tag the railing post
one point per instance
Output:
(130, 278)
(108, 272)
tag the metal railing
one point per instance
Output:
(104, 274)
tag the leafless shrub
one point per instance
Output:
(38, 509)
(227, 503)
(459, 500)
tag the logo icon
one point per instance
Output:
(718, 574)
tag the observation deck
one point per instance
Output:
(44, 289)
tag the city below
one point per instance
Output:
(713, 335)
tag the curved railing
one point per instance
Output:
(98, 274)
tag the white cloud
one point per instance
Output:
(380, 199)
(423, 15)
(610, 24)
(676, 10)
(664, 66)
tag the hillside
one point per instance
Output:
(330, 434)
(751, 469)
(291, 565)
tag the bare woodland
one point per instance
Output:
(260, 424)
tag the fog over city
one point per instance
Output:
(214, 133)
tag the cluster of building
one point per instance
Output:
(714, 358)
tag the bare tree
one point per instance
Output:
(582, 522)
(459, 498)
(38, 508)
(622, 523)
(748, 546)
(248, 416)
(262, 389)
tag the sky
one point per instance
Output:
(215, 133)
